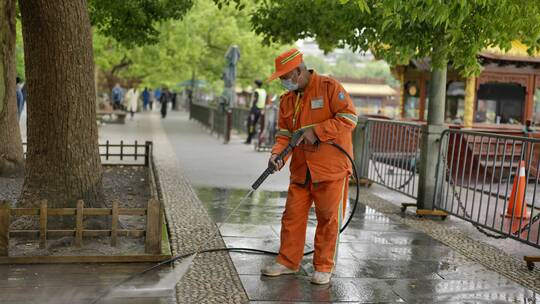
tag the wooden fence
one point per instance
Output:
(155, 232)
(152, 232)
(132, 154)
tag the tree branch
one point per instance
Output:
(124, 63)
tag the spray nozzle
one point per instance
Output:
(293, 142)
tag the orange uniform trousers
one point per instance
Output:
(330, 198)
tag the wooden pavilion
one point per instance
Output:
(504, 97)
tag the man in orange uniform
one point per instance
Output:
(320, 107)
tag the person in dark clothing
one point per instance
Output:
(164, 99)
(259, 101)
(146, 99)
(117, 97)
(190, 96)
(173, 101)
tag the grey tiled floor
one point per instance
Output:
(380, 260)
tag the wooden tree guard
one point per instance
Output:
(43, 224)
(153, 232)
(79, 223)
(114, 224)
(153, 227)
(4, 228)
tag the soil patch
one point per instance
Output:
(129, 185)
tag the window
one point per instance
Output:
(500, 103)
(486, 111)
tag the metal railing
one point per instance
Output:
(212, 118)
(491, 181)
(388, 153)
(239, 119)
(135, 154)
(201, 114)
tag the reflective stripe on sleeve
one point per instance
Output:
(351, 117)
(284, 132)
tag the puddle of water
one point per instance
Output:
(162, 288)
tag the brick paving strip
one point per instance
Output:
(488, 256)
(212, 278)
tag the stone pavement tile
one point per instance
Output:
(462, 291)
(287, 302)
(50, 295)
(374, 226)
(295, 288)
(246, 206)
(468, 271)
(391, 252)
(367, 236)
(251, 264)
(225, 196)
(245, 216)
(380, 269)
(296, 302)
(139, 300)
(354, 235)
(75, 283)
(263, 244)
(463, 245)
(248, 231)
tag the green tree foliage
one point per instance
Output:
(397, 30)
(19, 50)
(135, 22)
(195, 45)
(129, 23)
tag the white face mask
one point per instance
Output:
(289, 85)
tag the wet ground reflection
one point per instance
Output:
(380, 260)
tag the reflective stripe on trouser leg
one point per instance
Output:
(341, 213)
(329, 200)
(293, 226)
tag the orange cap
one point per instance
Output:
(286, 62)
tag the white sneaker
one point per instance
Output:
(321, 278)
(276, 269)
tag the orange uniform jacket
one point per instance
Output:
(325, 106)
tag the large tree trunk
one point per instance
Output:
(63, 163)
(11, 151)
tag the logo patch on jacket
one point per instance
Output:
(317, 103)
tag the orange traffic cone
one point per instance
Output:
(517, 203)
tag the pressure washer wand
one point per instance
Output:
(293, 142)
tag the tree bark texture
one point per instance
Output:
(11, 150)
(63, 163)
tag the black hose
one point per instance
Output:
(240, 249)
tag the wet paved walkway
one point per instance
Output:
(381, 259)
(77, 284)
